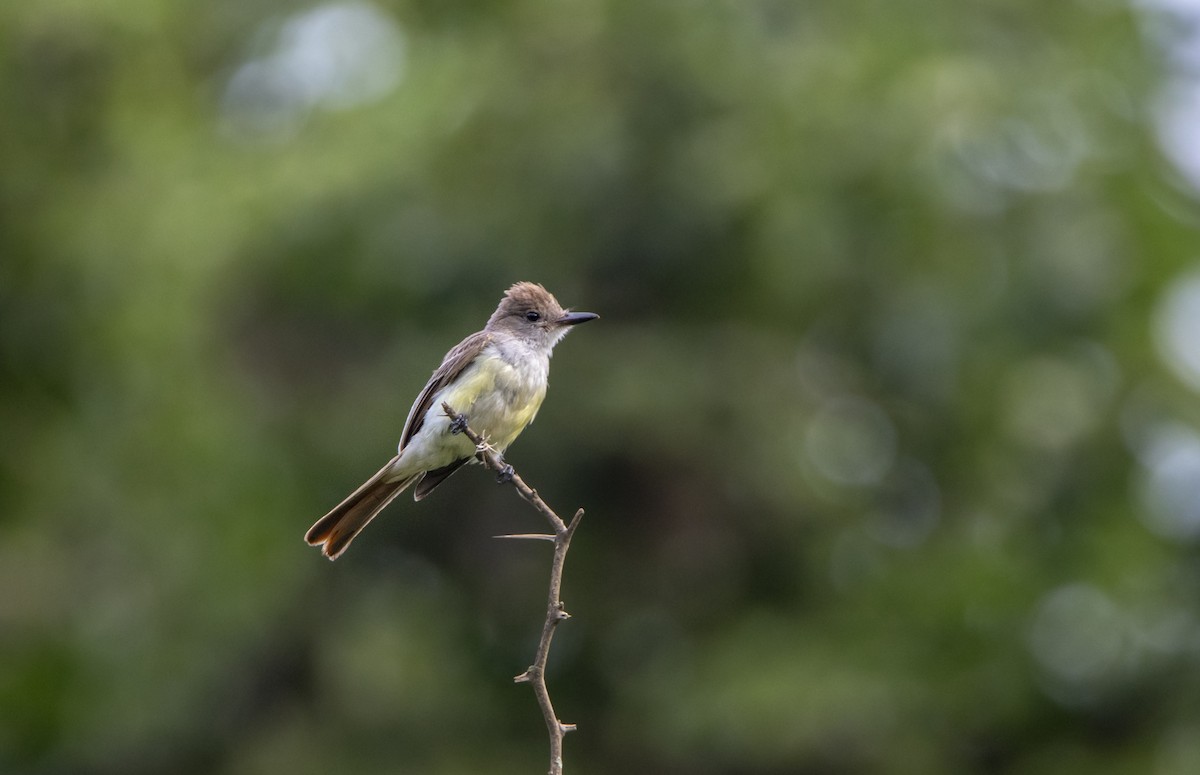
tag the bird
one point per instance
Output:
(495, 379)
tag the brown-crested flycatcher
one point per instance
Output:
(495, 378)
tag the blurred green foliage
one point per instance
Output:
(884, 469)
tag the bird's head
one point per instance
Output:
(531, 312)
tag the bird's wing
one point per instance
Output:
(433, 478)
(452, 365)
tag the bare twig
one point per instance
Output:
(535, 674)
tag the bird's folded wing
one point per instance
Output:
(453, 364)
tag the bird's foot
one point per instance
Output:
(504, 474)
(458, 425)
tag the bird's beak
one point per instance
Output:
(575, 318)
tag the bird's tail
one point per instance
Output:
(334, 531)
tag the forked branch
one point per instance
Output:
(535, 674)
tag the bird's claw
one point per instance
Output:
(458, 425)
(504, 474)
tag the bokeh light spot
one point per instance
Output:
(1177, 328)
(851, 441)
(1173, 26)
(1053, 402)
(1170, 485)
(335, 56)
(1078, 639)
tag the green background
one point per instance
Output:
(888, 436)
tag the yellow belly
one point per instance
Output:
(499, 399)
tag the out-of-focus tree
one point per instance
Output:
(888, 436)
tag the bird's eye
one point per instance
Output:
(532, 316)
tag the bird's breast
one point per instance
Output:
(500, 394)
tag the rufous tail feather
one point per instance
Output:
(334, 531)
